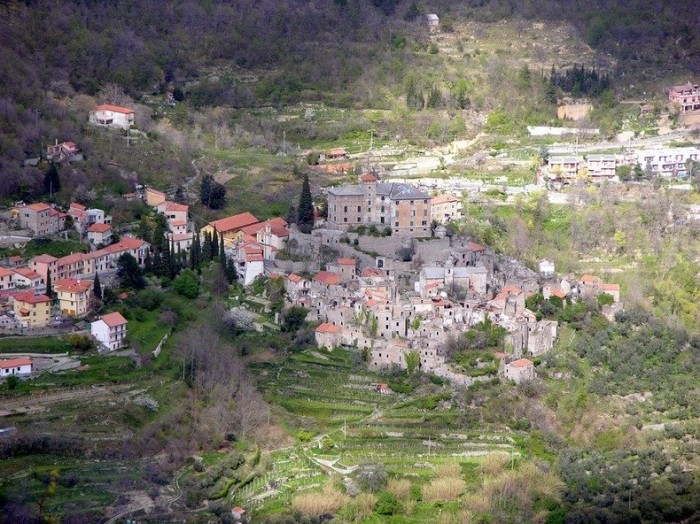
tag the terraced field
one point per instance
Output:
(344, 422)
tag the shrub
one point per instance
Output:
(362, 506)
(330, 500)
(401, 488)
(12, 382)
(387, 504)
(493, 464)
(443, 489)
(81, 343)
(187, 284)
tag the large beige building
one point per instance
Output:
(444, 208)
(41, 218)
(73, 296)
(32, 309)
(401, 207)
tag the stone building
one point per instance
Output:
(401, 207)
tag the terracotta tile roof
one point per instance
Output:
(233, 223)
(558, 293)
(44, 259)
(336, 151)
(114, 109)
(511, 288)
(611, 287)
(443, 199)
(500, 355)
(5, 272)
(16, 258)
(522, 363)
(253, 257)
(177, 223)
(327, 328)
(126, 244)
(31, 298)
(173, 206)
(346, 261)
(179, 237)
(473, 246)
(113, 319)
(38, 206)
(15, 362)
(368, 178)
(590, 279)
(293, 277)
(325, 277)
(372, 272)
(99, 228)
(155, 192)
(77, 206)
(72, 285)
(27, 273)
(71, 259)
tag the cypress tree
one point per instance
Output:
(97, 287)
(49, 287)
(222, 254)
(305, 213)
(215, 245)
(52, 182)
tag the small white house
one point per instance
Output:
(546, 268)
(99, 234)
(112, 116)
(16, 366)
(110, 330)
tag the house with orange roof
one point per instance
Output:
(324, 279)
(155, 197)
(7, 279)
(32, 309)
(41, 218)
(336, 153)
(229, 228)
(99, 235)
(42, 264)
(105, 259)
(272, 235)
(346, 268)
(173, 210)
(63, 152)
(327, 335)
(519, 371)
(612, 290)
(26, 278)
(73, 296)
(250, 262)
(109, 115)
(16, 366)
(178, 236)
(296, 286)
(70, 266)
(444, 208)
(110, 330)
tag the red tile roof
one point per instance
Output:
(443, 199)
(76, 205)
(327, 328)
(372, 272)
(31, 298)
(590, 279)
(44, 259)
(99, 228)
(38, 207)
(233, 223)
(126, 244)
(368, 178)
(511, 288)
(5, 272)
(73, 258)
(336, 151)
(72, 285)
(611, 287)
(346, 261)
(325, 277)
(113, 319)
(522, 363)
(293, 277)
(114, 109)
(15, 362)
(174, 206)
(558, 293)
(27, 273)
(473, 246)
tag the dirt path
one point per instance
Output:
(35, 401)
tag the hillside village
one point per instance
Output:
(398, 286)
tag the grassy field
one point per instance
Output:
(49, 344)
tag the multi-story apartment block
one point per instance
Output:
(400, 207)
(7, 279)
(564, 167)
(686, 96)
(603, 167)
(41, 218)
(110, 330)
(668, 162)
(32, 309)
(73, 296)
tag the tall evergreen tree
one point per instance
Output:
(222, 254)
(205, 190)
(215, 245)
(49, 287)
(97, 287)
(206, 249)
(52, 182)
(305, 213)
